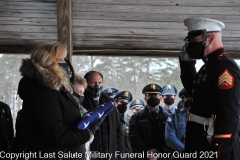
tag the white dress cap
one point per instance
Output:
(199, 23)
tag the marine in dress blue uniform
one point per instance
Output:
(176, 125)
(214, 119)
(121, 100)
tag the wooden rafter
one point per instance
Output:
(64, 17)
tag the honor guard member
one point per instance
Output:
(176, 124)
(169, 97)
(213, 121)
(111, 92)
(135, 106)
(147, 126)
(121, 100)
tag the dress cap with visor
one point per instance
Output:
(124, 96)
(198, 25)
(152, 89)
(137, 104)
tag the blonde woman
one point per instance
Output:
(50, 113)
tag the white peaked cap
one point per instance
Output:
(199, 23)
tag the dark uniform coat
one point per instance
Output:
(215, 90)
(115, 132)
(49, 116)
(145, 134)
(125, 127)
(6, 128)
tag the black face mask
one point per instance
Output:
(195, 50)
(153, 101)
(65, 68)
(169, 100)
(122, 108)
(188, 103)
(81, 99)
(95, 90)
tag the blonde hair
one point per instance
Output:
(79, 80)
(47, 55)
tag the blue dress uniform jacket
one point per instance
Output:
(141, 131)
(175, 130)
(169, 112)
(210, 96)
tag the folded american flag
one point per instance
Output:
(91, 117)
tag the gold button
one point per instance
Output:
(193, 91)
(206, 59)
(194, 82)
(221, 55)
(216, 144)
(204, 68)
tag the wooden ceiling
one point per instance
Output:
(112, 27)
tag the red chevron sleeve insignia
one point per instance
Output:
(225, 80)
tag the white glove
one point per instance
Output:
(183, 55)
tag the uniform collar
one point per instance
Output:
(157, 110)
(213, 54)
(171, 111)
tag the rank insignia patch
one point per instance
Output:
(225, 80)
(127, 129)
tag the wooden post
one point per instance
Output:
(64, 18)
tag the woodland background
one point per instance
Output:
(124, 73)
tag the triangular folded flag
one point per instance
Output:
(91, 117)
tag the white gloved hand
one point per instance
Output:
(183, 54)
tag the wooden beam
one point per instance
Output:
(140, 52)
(26, 49)
(16, 49)
(64, 17)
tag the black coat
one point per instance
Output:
(125, 127)
(144, 134)
(6, 128)
(49, 116)
(210, 96)
(115, 131)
